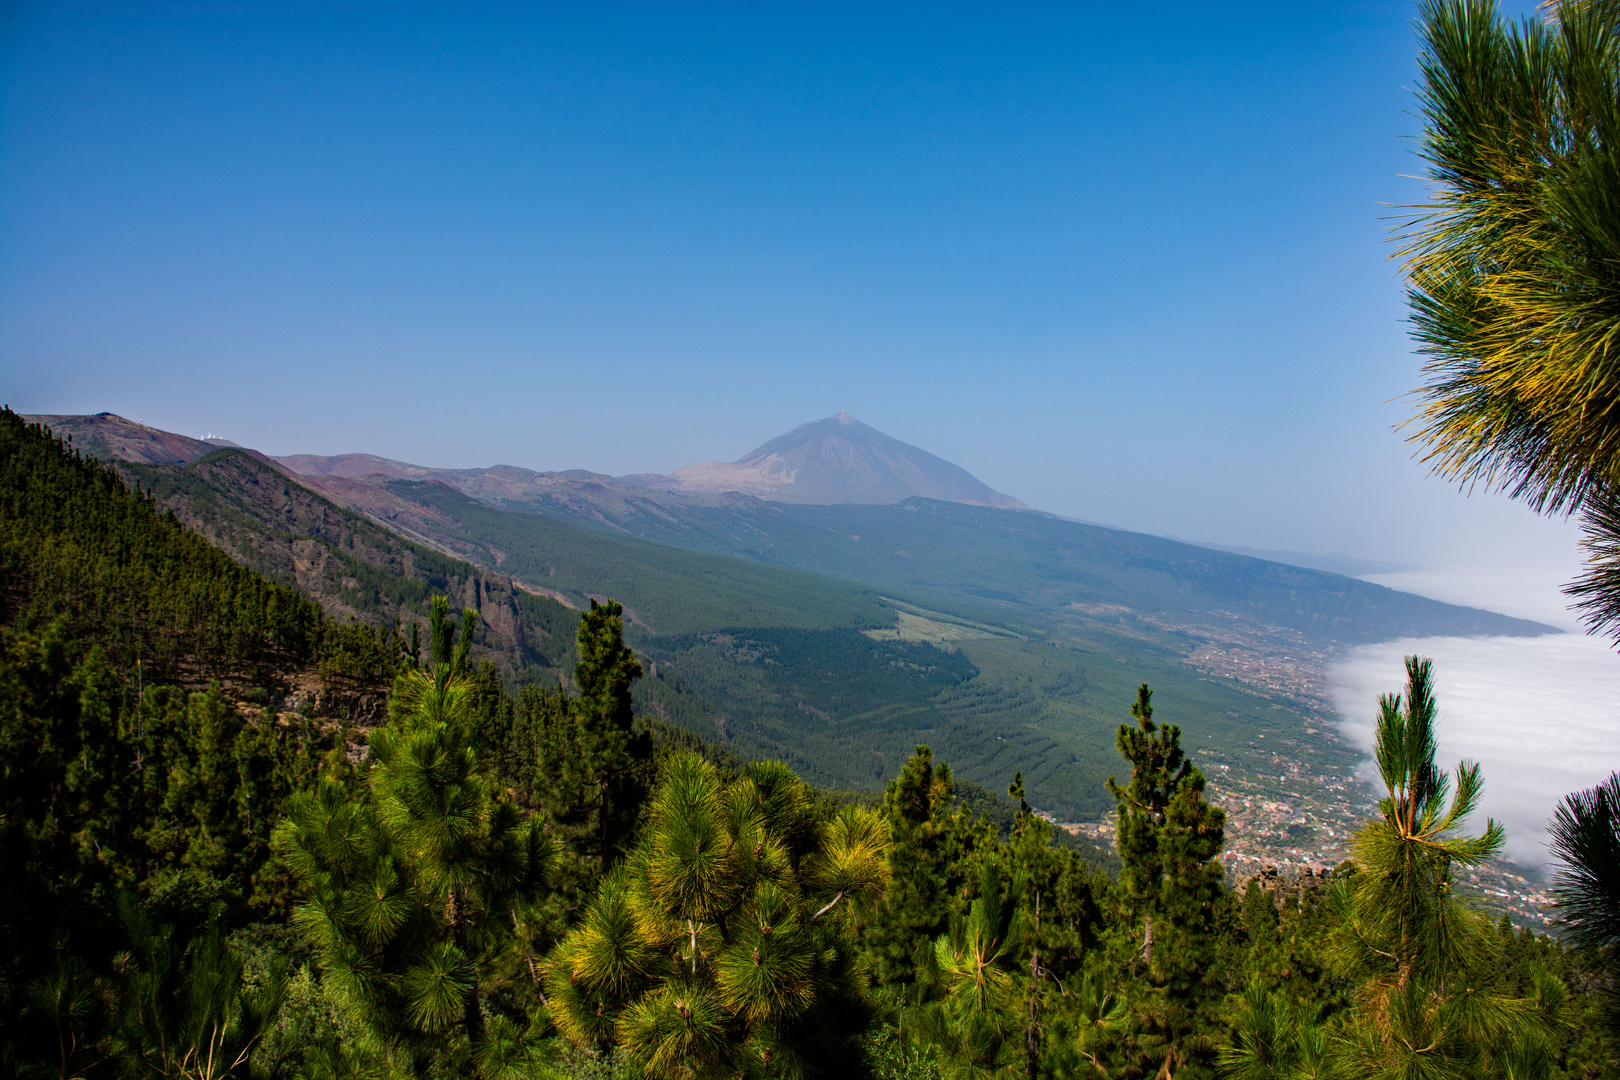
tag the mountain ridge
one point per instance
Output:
(834, 461)
(1029, 558)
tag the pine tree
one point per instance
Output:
(581, 759)
(611, 757)
(412, 881)
(1169, 887)
(931, 842)
(1427, 1004)
(1586, 841)
(721, 944)
(1276, 1037)
(1514, 293)
(1039, 867)
(976, 1029)
(186, 1009)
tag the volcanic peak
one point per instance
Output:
(841, 460)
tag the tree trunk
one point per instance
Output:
(472, 1011)
(1032, 1035)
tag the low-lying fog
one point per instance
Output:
(1540, 715)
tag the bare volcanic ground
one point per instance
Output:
(112, 438)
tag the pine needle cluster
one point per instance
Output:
(1515, 291)
(720, 945)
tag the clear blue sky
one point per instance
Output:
(1126, 262)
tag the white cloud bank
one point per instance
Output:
(1540, 715)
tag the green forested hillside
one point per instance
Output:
(949, 552)
(670, 591)
(141, 743)
(1056, 618)
(1041, 702)
(275, 526)
(826, 702)
(840, 708)
(1056, 621)
(76, 546)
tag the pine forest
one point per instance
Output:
(243, 838)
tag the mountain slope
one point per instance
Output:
(356, 465)
(939, 549)
(840, 460)
(828, 497)
(76, 546)
(997, 561)
(1035, 688)
(112, 438)
(275, 526)
(668, 590)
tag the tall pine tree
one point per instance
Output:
(931, 841)
(584, 763)
(1169, 888)
(611, 756)
(1422, 955)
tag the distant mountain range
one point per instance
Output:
(834, 461)
(790, 626)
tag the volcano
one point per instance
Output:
(841, 460)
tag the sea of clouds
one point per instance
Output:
(1541, 715)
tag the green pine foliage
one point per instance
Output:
(721, 944)
(1420, 954)
(413, 879)
(1511, 263)
(1170, 892)
(172, 796)
(1586, 840)
(147, 738)
(607, 762)
(1059, 937)
(1418, 983)
(974, 1027)
(187, 1009)
(76, 545)
(931, 840)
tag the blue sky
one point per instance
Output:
(1127, 263)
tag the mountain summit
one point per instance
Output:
(841, 460)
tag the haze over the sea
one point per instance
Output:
(1538, 714)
